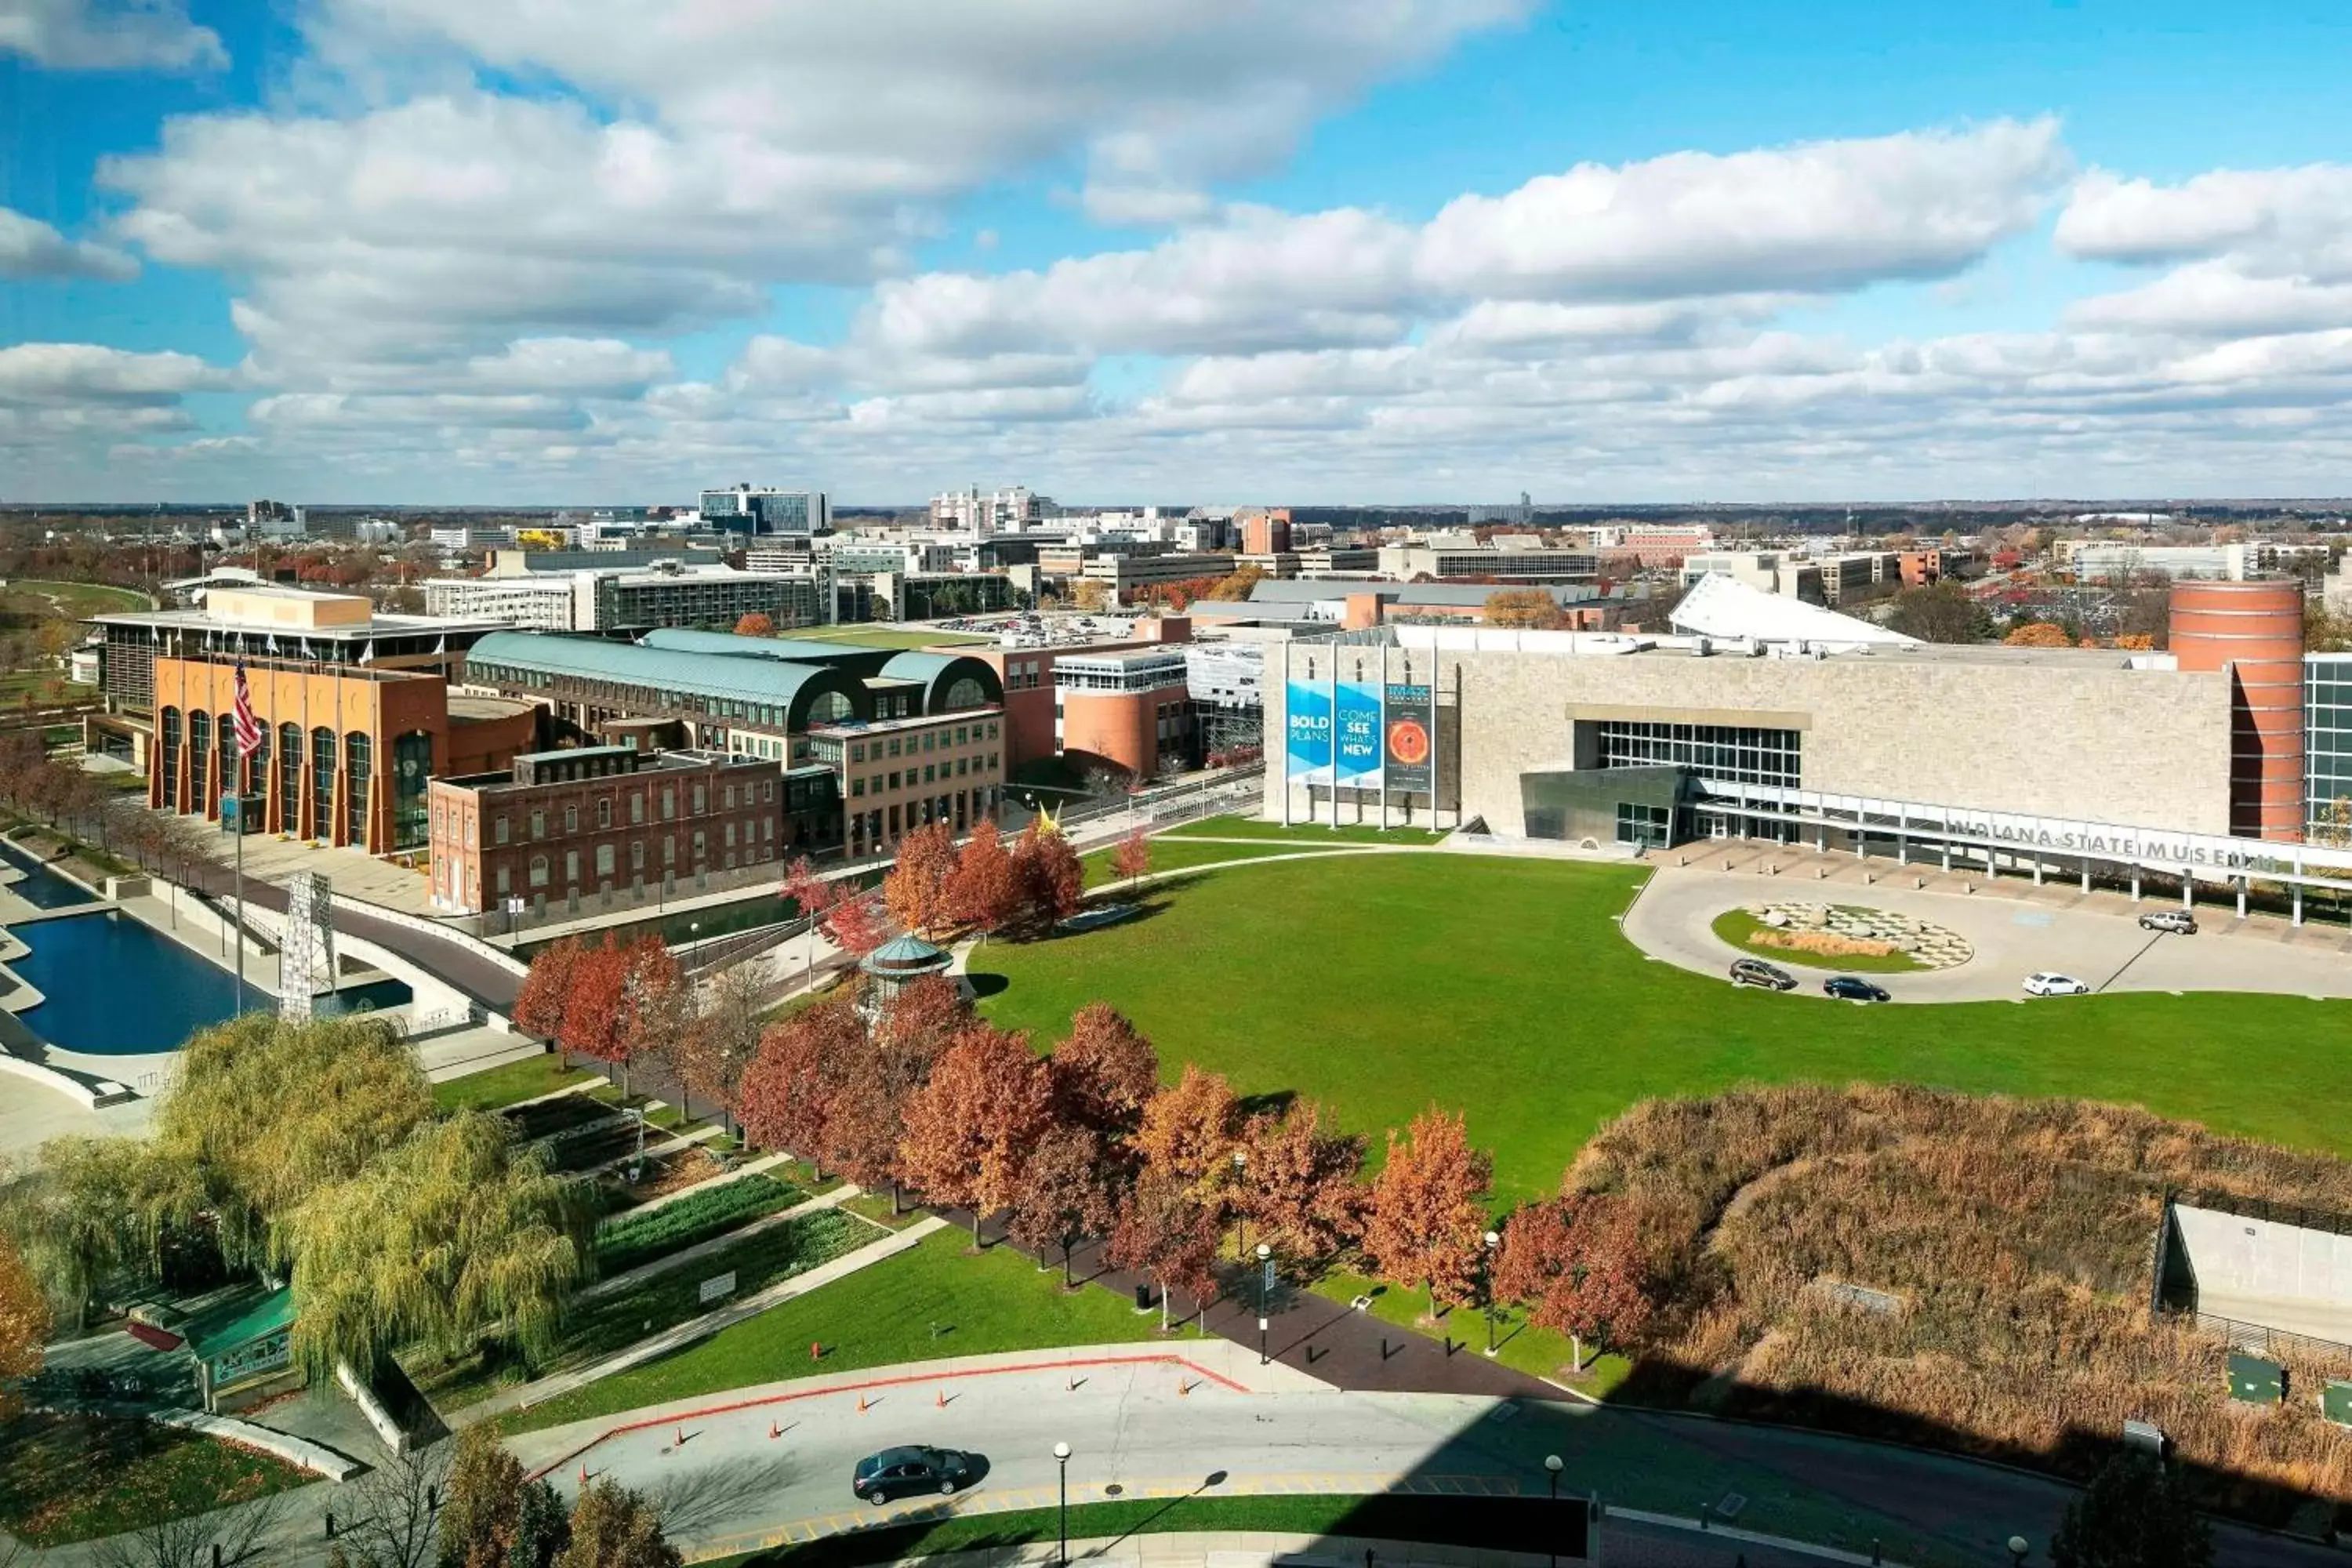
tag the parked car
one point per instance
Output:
(903, 1472)
(2179, 923)
(2049, 983)
(1756, 971)
(1853, 988)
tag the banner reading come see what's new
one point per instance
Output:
(1358, 735)
(1308, 746)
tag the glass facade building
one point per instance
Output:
(2327, 749)
(1746, 754)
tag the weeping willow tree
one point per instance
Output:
(269, 1113)
(453, 1231)
(84, 1217)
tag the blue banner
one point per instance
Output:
(1308, 746)
(1360, 734)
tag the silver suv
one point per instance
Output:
(1756, 971)
(2179, 923)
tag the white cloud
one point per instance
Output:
(1825, 215)
(99, 36)
(63, 374)
(603, 367)
(31, 248)
(2276, 220)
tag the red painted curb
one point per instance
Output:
(670, 1418)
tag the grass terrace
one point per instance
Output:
(1381, 982)
(885, 636)
(494, 1088)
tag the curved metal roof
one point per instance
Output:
(939, 671)
(757, 683)
(789, 651)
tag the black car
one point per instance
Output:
(902, 1472)
(1849, 988)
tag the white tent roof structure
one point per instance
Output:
(1725, 608)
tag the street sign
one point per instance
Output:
(1266, 1285)
(719, 1285)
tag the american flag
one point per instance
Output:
(248, 728)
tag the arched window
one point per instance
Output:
(966, 692)
(168, 722)
(200, 757)
(322, 782)
(539, 870)
(289, 778)
(829, 708)
(230, 782)
(359, 758)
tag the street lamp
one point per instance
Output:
(1487, 1259)
(2018, 1547)
(1241, 1236)
(1552, 1466)
(1062, 1456)
(1265, 1269)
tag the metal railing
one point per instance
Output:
(2261, 1338)
(2296, 1214)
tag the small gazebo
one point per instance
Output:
(898, 963)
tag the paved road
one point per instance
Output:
(2013, 930)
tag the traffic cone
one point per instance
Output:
(774, 1431)
(583, 1472)
(942, 1399)
(1183, 1389)
(681, 1437)
(861, 1404)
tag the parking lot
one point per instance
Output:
(2013, 929)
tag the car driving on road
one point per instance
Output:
(1756, 971)
(1853, 988)
(903, 1472)
(2049, 983)
(2179, 923)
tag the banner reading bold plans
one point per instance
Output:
(1308, 748)
(1411, 742)
(1359, 735)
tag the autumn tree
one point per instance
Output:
(656, 1004)
(815, 896)
(892, 1062)
(720, 1036)
(1427, 1217)
(2039, 633)
(856, 926)
(613, 1527)
(1068, 1189)
(1167, 1234)
(917, 888)
(755, 623)
(1053, 882)
(594, 1024)
(24, 1327)
(1523, 608)
(2138, 1513)
(1299, 1187)
(970, 1128)
(1131, 861)
(1579, 1265)
(983, 891)
(1105, 1071)
(546, 990)
(787, 1095)
(1188, 1130)
(483, 1493)
(1940, 611)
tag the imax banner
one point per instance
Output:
(1411, 739)
(1359, 735)
(1309, 748)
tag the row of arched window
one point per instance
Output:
(205, 733)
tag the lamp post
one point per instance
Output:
(1487, 1271)
(1264, 1288)
(2018, 1547)
(1062, 1458)
(1241, 1235)
(1552, 1467)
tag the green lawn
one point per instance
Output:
(46, 596)
(884, 636)
(65, 1479)
(1028, 1527)
(1171, 855)
(930, 1301)
(508, 1084)
(1302, 832)
(1739, 928)
(1381, 982)
(1518, 1344)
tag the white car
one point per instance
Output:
(2049, 983)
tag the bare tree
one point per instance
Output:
(240, 1534)
(393, 1510)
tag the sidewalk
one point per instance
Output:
(523, 1395)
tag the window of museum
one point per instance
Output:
(669, 804)
(571, 819)
(604, 813)
(499, 830)
(539, 870)
(604, 859)
(538, 824)
(1649, 826)
(570, 868)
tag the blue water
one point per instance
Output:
(369, 996)
(115, 988)
(42, 888)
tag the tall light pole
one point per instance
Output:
(1062, 1457)
(1241, 1236)
(1552, 1467)
(1265, 1287)
(1488, 1273)
(2018, 1547)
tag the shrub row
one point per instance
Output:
(624, 1241)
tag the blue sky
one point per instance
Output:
(422, 250)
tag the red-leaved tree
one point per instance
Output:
(1579, 1266)
(1427, 1220)
(1053, 883)
(787, 1095)
(983, 891)
(755, 623)
(594, 1023)
(972, 1125)
(1132, 859)
(816, 896)
(1299, 1187)
(1166, 1234)
(546, 990)
(1188, 1130)
(1105, 1071)
(917, 888)
(856, 924)
(1068, 1189)
(889, 1064)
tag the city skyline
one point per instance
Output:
(1422, 250)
